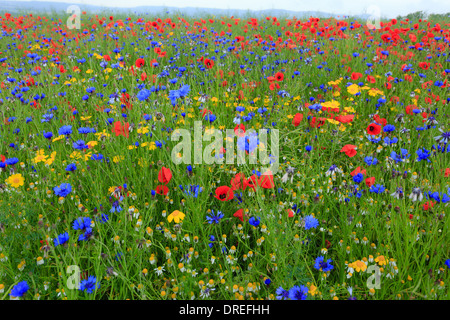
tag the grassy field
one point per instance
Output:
(94, 203)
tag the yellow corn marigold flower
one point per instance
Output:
(15, 180)
(176, 216)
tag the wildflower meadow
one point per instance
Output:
(223, 158)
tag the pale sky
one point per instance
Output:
(387, 8)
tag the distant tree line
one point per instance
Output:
(415, 16)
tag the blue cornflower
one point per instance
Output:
(97, 157)
(370, 161)
(445, 198)
(262, 110)
(311, 222)
(71, 167)
(89, 285)
(63, 190)
(173, 96)
(396, 157)
(210, 117)
(322, 265)
(84, 130)
(65, 130)
(433, 195)
(308, 148)
(115, 207)
(184, 90)
(388, 128)
(48, 135)
(358, 178)
(423, 154)
(11, 161)
(104, 218)
(298, 293)
(19, 289)
(282, 294)
(192, 190)
(373, 139)
(212, 218)
(82, 223)
(143, 94)
(80, 145)
(86, 235)
(444, 137)
(447, 263)
(377, 189)
(248, 142)
(316, 107)
(47, 117)
(254, 221)
(388, 141)
(283, 93)
(61, 239)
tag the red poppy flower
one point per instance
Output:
(290, 213)
(239, 130)
(205, 112)
(424, 65)
(273, 86)
(297, 119)
(279, 76)
(349, 150)
(224, 193)
(3, 159)
(239, 214)
(252, 182)
(238, 182)
(164, 175)
(371, 79)
(345, 119)
(356, 75)
(266, 181)
(380, 120)
(120, 129)
(162, 190)
(446, 174)
(374, 129)
(209, 63)
(317, 122)
(428, 205)
(370, 181)
(358, 170)
(140, 62)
